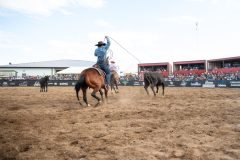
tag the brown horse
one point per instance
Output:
(114, 80)
(91, 78)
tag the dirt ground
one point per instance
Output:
(186, 123)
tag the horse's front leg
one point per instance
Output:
(114, 88)
(116, 84)
(101, 93)
(106, 94)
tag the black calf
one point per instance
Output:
(153, 79)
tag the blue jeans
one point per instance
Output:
(106, 69)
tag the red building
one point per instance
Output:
(224, 65)
(189, 67)
(163, 67)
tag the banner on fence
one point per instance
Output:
(205, 84)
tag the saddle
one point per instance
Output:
(99, 70)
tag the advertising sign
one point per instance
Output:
(234, 83)
(208, 84)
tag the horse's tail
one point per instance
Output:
(79, 85)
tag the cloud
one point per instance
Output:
(47, 7)
(103, 24)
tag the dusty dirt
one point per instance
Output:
(186, 123)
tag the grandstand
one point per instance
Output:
(217, 69)
(163, 67)
(224, 65)
(189, 67)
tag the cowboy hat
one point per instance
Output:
(100, 43)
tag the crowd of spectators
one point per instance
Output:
(210, 76)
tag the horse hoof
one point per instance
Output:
(88, 105)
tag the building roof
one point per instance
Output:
(189, 62)
(154, 64)
(224, 59)
(51, 64)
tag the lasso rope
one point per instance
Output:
(126, 50)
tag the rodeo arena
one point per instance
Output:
(181, 110)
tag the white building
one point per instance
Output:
(40, 68)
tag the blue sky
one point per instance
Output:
(153, 30)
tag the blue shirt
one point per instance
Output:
(101, 52)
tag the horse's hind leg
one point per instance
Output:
(95, 90)
(84, 90)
